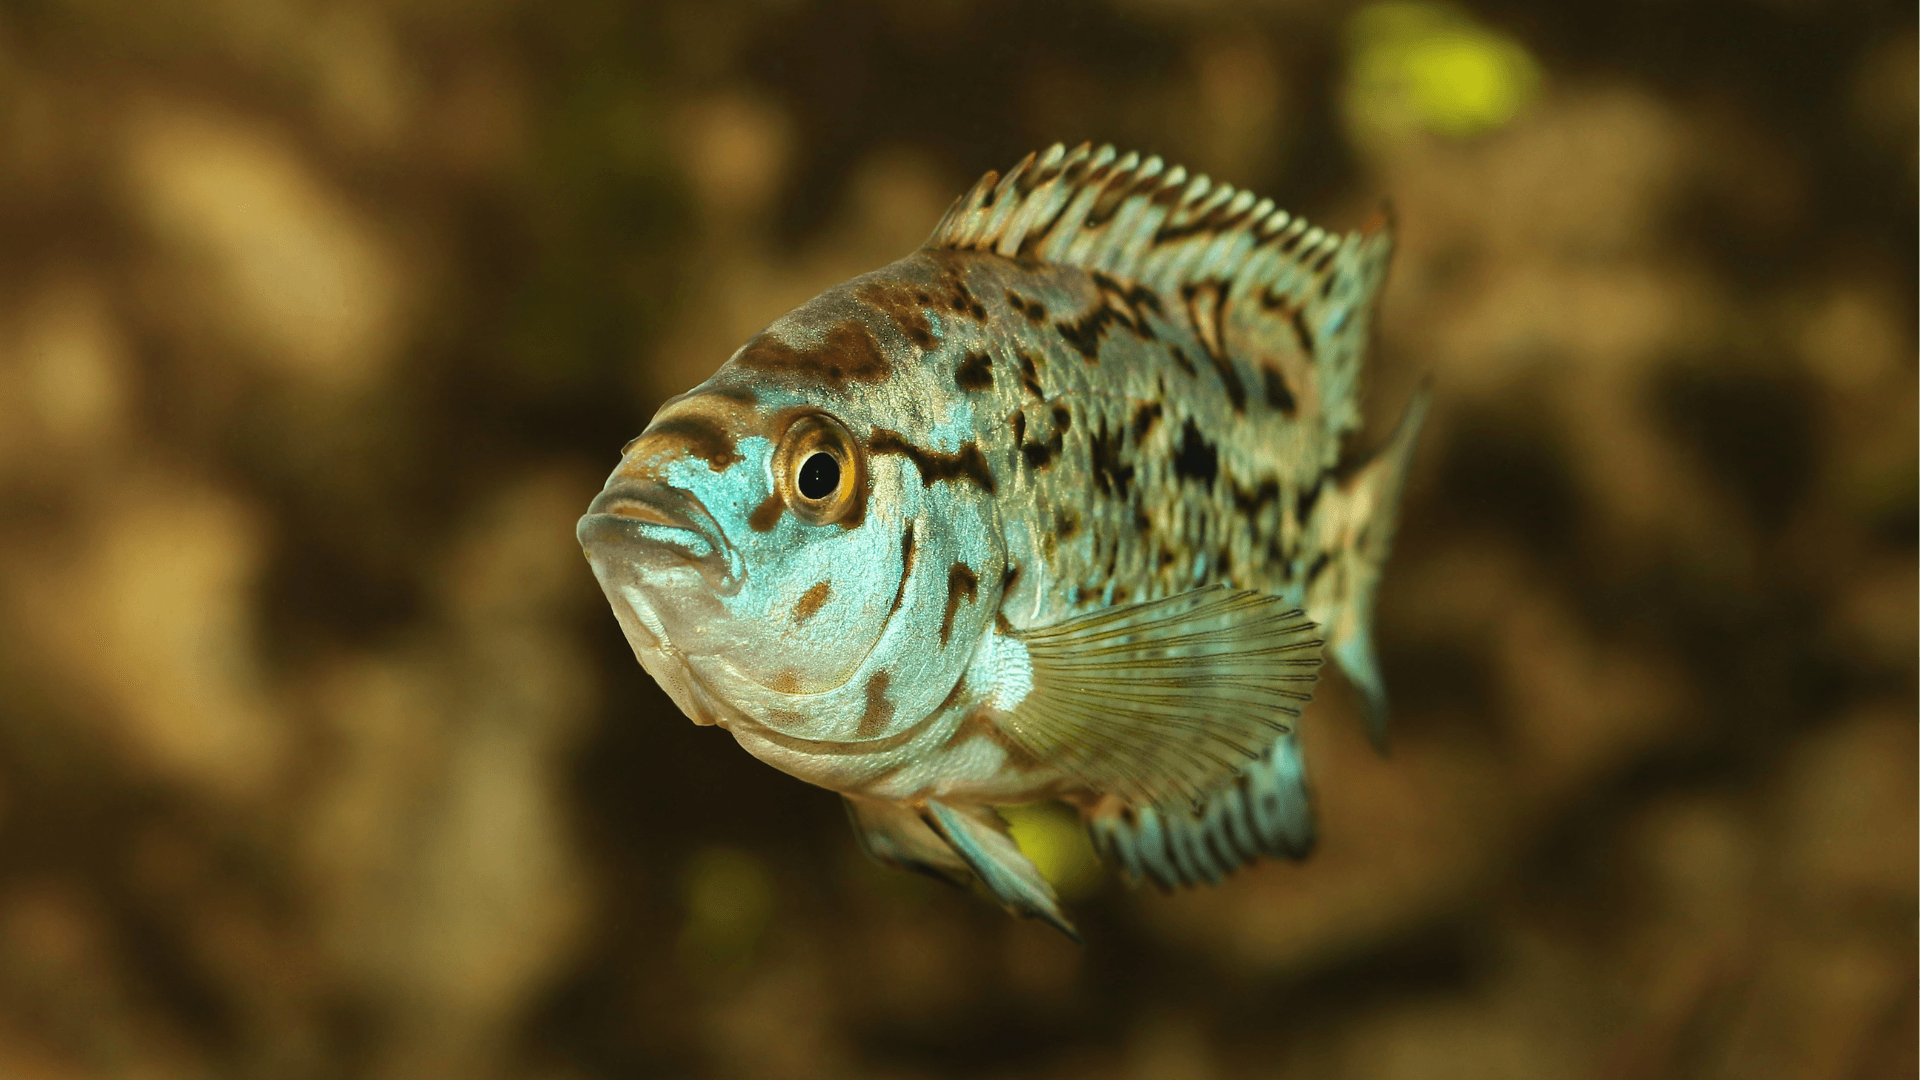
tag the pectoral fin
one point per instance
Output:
(1166, 700)
(980, 837)
(895, 835)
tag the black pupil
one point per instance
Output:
(819, 476)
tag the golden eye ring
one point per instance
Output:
(821, 472)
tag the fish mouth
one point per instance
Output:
(655, 526)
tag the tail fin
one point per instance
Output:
(1264, 811)
(1358, 528)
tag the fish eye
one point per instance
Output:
(819, 476)
(820, 472)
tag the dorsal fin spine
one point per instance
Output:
(1140, 220)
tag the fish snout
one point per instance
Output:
(650, 524)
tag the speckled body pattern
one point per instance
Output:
(1101, 383)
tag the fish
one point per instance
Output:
(1057, 507)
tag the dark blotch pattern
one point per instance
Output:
(902, 306)
(1030, 374)
(961, 583)
(1197, 459)
(767, 514)
(1303, 503)
(848, 353)
(1040, 455)
(1144, 418)
(1278, 395)
(968, 463)
(879, 711)
(1112, 473)
(908, 550)
(1035, 312)
(1299, 323)
(1230, 378)
(975, 372)
(812, 601)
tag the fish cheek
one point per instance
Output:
(819, 600)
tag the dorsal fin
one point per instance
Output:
(1137, 220)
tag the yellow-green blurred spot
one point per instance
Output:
(1051, 835)
(1429, 67)
(728, 896)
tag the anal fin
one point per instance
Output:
(979, 836)
(1264, 811)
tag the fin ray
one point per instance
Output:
(978, 835)
(1138, 220)
(1168, 698)
(896, 836)
(1264, 811)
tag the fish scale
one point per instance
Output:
(1080, 535)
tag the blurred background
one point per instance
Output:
(321, 755)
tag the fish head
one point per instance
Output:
(775, 557)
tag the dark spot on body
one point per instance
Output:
(1230, 379)
(703, 438)
(1144, 418)
(1035, 312)
(961, 581)
(975, 372)
(1249, 504)
(1036, 455)
(812, 601)
(898, 304)
(1278, 395)
(1019, 426)
(1066, 524)
(1030, 375)
(879, 711)
(1300, 331)
(767, 514)
(968, 463)
(1112, 473)
(1303, 503)
(1196, 459)
(1062, 418)
(1085, 333)
(1318, 565)
(1181, 360)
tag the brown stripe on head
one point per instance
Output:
(702, 423)
(812, 601)
(847, 353)
(879, 711)
(961, 580)
(908, 551)
(701, 436)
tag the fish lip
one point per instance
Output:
(666, 518)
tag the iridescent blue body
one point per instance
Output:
(1046, 509)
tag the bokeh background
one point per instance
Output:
(321, 755)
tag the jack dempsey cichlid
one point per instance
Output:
(1048, 509)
